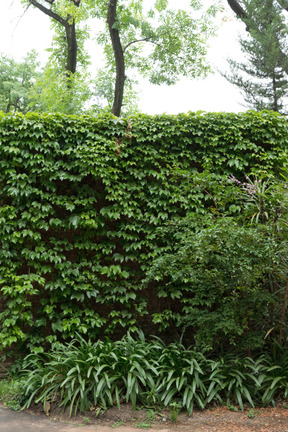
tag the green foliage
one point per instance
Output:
(263, 77)
(57, 91)
(81, 201)
(16, 82)
(217, 275)
(64, 86)
(10, 393)
(226, 280)
(234, 380)
(103, 94)
(175, 409)
(274, 377)
(86, 375)
(181, 377)
(25, 87)
(160, 43)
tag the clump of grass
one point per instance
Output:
(118, 424)
(175, 409)
(10, 393)
(148, 374)
(101, 373)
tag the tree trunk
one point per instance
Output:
(70, 30)
(119, 58)
(71, 61)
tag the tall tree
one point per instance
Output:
(103, 92)
(17, 80)
(118, 56)
(160, 43)
(244, 10)
(262, 78)
(63, 85)
(63, 12)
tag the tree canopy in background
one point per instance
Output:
(16, 82)
(160, 44)
(263, 78)
(156, 42)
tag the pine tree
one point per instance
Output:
(262, 78)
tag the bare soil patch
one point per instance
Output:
(217, 419)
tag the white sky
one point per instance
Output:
(20, 32)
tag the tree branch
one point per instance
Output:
(237, 8)
(141, 40)
(150, 39)
(252, 25)
(70, 30)
(49, 12)
(283, 4)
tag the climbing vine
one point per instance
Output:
(80, 202)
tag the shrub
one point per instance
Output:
(85, 375)
(225, 280)
(82, 374)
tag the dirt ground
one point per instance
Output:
(217, 419)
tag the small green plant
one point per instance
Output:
(149, 399)
(86, 419)
(174, 408)
(232, 408)
(151, 415)
(10, 393)
(118, 424)
(181, 377)
(251, 413)
(143, 425)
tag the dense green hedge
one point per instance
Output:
(80, 200)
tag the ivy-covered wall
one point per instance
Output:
(80, 201)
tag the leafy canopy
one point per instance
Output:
(158, 42)
(16, 82)
(263, 77)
